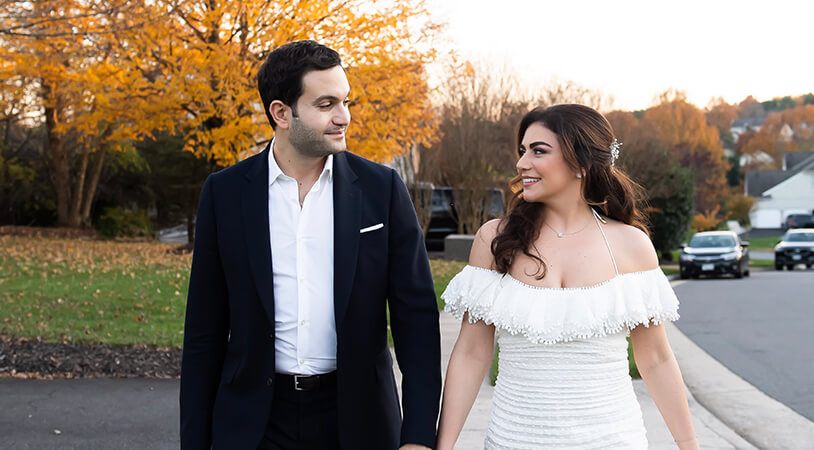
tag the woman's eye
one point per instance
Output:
(521, 152)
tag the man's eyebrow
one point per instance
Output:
(322, 98)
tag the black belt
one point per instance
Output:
(306, 382)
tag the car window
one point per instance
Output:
(799, 237)
(712, 241)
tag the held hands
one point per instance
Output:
(413, 447)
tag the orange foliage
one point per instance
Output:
(120, 69)
(783, 131)
(681, 128)
(207, 54)
(708, 220)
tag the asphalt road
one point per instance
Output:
(761, 328)
(89, 414)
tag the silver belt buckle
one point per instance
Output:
(297, 383)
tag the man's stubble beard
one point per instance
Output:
(311, 143)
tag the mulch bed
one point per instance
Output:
(32, 358)
(49, 232)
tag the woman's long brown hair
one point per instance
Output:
(585, 137)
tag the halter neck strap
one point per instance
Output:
(599, 221)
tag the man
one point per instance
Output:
(299, 251)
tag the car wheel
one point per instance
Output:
(789, 267)
(738, 274)
(747, 273)
(683, 275)
(778, 267)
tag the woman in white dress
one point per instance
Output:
(562, 280)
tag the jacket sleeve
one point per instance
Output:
(413, 320)
(206, 329)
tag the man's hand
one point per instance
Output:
(413, 447)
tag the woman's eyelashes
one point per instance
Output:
(534, 151)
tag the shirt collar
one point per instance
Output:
(275, 171)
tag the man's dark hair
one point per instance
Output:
(280, 77)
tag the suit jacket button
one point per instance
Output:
(269, 381)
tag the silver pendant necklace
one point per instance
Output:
(562, 234)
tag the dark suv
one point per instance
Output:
(444, 218)
(714, 253)
(798, 221)
(797, 247)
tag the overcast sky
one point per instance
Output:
(634, 49)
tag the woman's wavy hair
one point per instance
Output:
(585, 137)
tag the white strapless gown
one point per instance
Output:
(563, 379)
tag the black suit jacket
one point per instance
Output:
(228, 363)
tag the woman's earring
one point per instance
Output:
(579, 175)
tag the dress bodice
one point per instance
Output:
(552, 315)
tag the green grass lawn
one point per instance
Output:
(764, 243)
(92, 291)
(762, 263)
(63, 290)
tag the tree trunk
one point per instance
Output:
(75, 218)
(59, 155)
(90, 193)
(191, 211)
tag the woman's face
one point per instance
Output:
(542, 166)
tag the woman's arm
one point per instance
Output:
(660, 372)
(651, 350)
(471, 356)
(468, 364)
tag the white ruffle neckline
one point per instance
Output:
(549, 315)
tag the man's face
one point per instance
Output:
(322, 115)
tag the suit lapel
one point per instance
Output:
(347, 218)
(255, 208)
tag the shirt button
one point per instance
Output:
(301, 361)
(302, 322)
(269, 382)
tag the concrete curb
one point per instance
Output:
(758, 418)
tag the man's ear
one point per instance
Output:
(281, 114)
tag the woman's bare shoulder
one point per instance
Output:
(481, 253)
(631, 246)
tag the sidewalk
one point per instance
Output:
(712, 433)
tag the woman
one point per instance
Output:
(562, 279)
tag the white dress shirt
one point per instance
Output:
(302, 254)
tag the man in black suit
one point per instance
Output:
(299, 252)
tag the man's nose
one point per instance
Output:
(342, 115)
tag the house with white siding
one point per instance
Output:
(778, 193)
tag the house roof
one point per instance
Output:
(792, 159)
(758, 182)
(750, 122)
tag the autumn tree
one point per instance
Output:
(480, 108)
(64, 63)
(108, 72)
(206, 54)
(783, 131)
(475, 153)
(683, 129)
(668, 184)
(721, 115)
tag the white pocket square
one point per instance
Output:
(373, 228)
